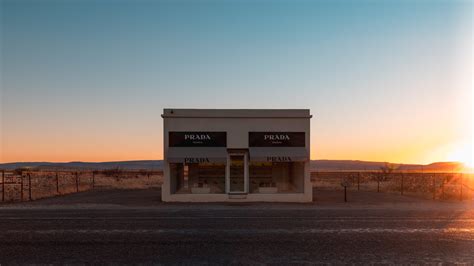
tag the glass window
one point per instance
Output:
(268, 177)
(197, 178)
(237, 173)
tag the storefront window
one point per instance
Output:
(197, 178)
(271, 177)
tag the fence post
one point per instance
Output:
(57, 183)
(401, 189)
(29, 186)
(21, 187)
(358, 181)
(345, 193)
(93, 180)
(3, 185)
(460, 196)
(77, 182)
(442, 188)
(434, 187)
(378, 183)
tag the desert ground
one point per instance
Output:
(134, 226)
(34, 185)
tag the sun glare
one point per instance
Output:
(462, 154)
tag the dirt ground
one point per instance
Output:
(151, 197)
(45, 184)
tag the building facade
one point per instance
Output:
(219, 155)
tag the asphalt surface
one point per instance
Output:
(76, 229)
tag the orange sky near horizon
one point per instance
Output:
(129, 143)
(402, 139)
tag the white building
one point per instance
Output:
(236, 155)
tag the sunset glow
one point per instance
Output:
(391, 81)
(462, 153)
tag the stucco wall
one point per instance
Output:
(237, 129)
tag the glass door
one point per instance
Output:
(237, 172)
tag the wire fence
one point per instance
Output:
(32, 185)
(444, 186)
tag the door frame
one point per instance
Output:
(246, 172)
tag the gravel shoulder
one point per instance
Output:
(151, 199)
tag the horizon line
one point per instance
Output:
(138, 160)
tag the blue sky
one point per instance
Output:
(377, 75)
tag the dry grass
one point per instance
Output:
(46, 184)
(426, 185)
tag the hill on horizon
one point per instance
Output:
(316, 165)
(347, 165)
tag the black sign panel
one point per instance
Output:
(279, 159)
(197, 139)
(276, 139)
(196, 160)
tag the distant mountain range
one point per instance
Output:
(127, 165)
(316, 165)
(346, 165)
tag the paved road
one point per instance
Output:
(240, 234)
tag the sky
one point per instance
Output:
(85, 80)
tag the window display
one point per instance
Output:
(271, 177)
(198, 178)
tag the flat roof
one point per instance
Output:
(235, 113)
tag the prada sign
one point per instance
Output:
(279, 159)
(196, 160)
(276, 139)
(197, 139)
